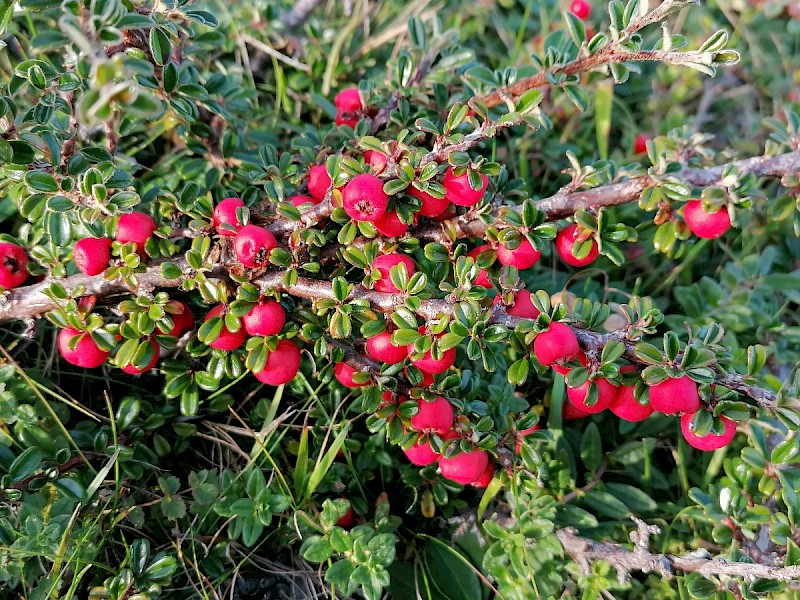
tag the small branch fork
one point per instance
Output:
(585, 551)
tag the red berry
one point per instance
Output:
(431, 206)
(282, 364)
(227, 340)
(640, 143)
(606, 393)
(380, 348)
(344, 375)
(569, 411)
(581, 9)
(390, 225)
(522, 257)
(565, 245)
(348, 100)
(482, 279)
(486, 477)
(182, 319)
(560, 365)
(318, 182)
(298, 201)
(225, 214)
(459, 191)
(675, 395)
(436, 415)
(427, 364)
(363, 198)
(91, 255)
(131, 369)
(709, 441)
(266, 318)
(346, 520)
(253, 244)
(343, 118)
(13, 265)
(556, 343)
(421, 454)
(703, 224)
(384, 263)
(464, 468)
(626, 406)
(522, 306)
(135, 227)
(448, 213)
(525, 433)
(427, 378)
(377, 160)
(86, 354)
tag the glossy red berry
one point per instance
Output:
(522, 307)
(570, 412)
(430, 365)
(566, 244)
(132, 369)
(431, 205)
(282, 364)
(523, 256)
(348, 100)
(344, 375)
(13, 265)
(464, 468)
(640, 143)
(299, 201)
(266, 318)
(319, 182)
(135, 227)
(91, 255)
(225, 214)
(86, 354)
(380, 348)
(436, 415)
(384, 263)
(625, 404)
(675, 395)
(421, 454)
(182, 319)
(253, 244)
(558, 342)
(486, 477)
(227, 340)
(579, 395)
(581, 9)
(704, 224)
(390, 225)
(560, 366)
(710, 441)
(363, 198)
(483, 278)
(459, 191)
(377, 160)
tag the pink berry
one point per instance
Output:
(318, 182)
(459, 191)
(703, 224)
(640, 143)
(13, 265)
(522, 306)
(427, 378)
(556, 343)
(363, 198)
(579, 395)
(581, 9)
(431, 205)
(253, 244)
(380, 348)
(565, 244)
(266, 318)
(384, 263)
(570, 412)
(675, 395)
(298, 201)
(464, 468)
(560, 365)
(182, 319)
(91, 255)
(486, 477)
(483, 278)
(282, 364)
(227, 340)
(131, 369)
(390, 225)
(87, 353)
(710, 441)
(344, 375)
(421, 454)
(625, 404)
(522, 257)
(225, 214)
(135, 227)
(348, 100)
(377, 160)
(436, 416)
(428, 364)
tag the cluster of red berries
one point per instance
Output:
(92, 254)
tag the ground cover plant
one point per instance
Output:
(399, 299)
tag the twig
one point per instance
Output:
(270, 51)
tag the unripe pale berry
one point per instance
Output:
(87, 353)
(318, 181)
(298, 201)
(380, 348)
(640, 143)
(363, 198)
(625, 404)
(436, 415)
(486, 477)
(581, 9)
(344, 375)
(225, 214)
(131, 369)
(91, 255)
(384, 263)
(421, 454)
(606, 393)
(710, 441)
(675, 395)
(703, 224)
(282, 364)
(253, 244)
(565, 243)
(556, 343)
(377, 160)
(431, 206)
(390, 225)
(459, 191)
(13, 265)
(182, 319)
(523, 256)
(522, 306)
(464, 468)
(227, 340)
(266, 318)
(135, 227)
